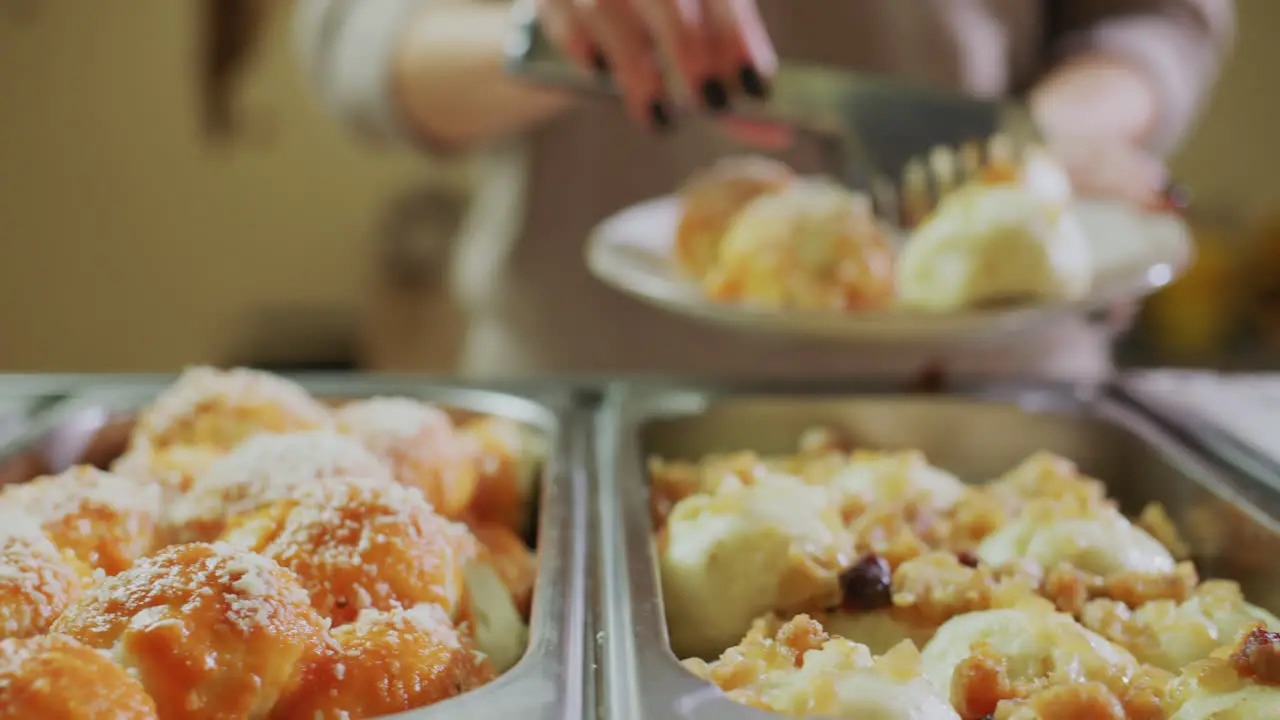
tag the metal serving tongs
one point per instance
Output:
(879, 135)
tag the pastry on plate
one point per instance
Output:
(813, 246)
(710, 200)
(996, 242)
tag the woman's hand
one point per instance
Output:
(1113, 169)
(717, 47)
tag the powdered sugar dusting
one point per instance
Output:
(56, 496)
(267, 468)
(200, 385)
(251, 591)
(37, 581)
(381, 422)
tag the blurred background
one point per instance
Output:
(161, 206)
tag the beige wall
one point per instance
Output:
(129, 243)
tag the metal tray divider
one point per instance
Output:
(642, 679)
(549, 681)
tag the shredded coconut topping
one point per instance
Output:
(37, 581)
(267, 468)
(255, 593)
(53, 497)
(198, 386)
(381, 422)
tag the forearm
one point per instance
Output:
(449, 81)
(1133, 69)
(422, 71)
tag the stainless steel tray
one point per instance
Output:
(552, 681)
(977, 432)
(1231, 415)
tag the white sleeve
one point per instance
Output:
(347, 48)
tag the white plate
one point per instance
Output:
(1136, 253)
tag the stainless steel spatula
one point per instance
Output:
(879, 135)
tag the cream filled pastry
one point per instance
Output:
(1101, 541)
(747, 550)
(813, 246)
(1241, 682)
(1171, 635)
(988, 243)
(1035, 641)
(798, 669)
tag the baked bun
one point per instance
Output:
(267, 468)
(106, 520)
(996, 242)
(813, 246)
(386, 663)
(211, 631)
(508, 460)
(38, 580)
(221, 408)
(710, 200)
(512, 560)
(361, 547)
(420, 445)
(53, 676)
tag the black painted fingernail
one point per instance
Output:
(600, 62)
(660, 115)
(752, 83)
(715, 95)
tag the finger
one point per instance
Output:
(622, 36)
(759, 135)
(740, 47)
(561, 26)
(676, 27)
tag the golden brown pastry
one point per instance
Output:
(267, 468)
(1004, 237)
(1241, 682)
(53, 676)
(814, 246)
(512, 559)
(420, 445)
(361, 547)
(726, 559)
(797, 669)
(386, 663)
(508, 462)
(1172, 635)
(712, 198)
(210, 630)
(38, 580)
(107, 520)
(221, 408)
(1036, 642)
(207, 412)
